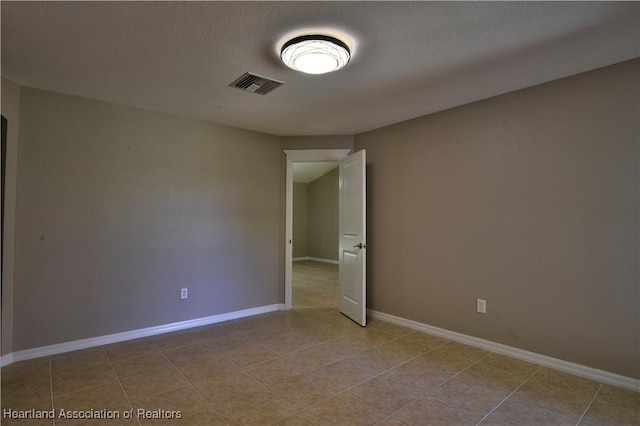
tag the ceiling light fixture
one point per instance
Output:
(315, 54)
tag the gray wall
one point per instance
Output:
(315, 217)
(300, 219)
(303, 142)
(118, 208)
(323, 216)
(316, 142)
(528, 200)
(11, 111)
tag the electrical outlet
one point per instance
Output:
(481, 306)
(184, 293)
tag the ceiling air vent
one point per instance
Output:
(255, 84)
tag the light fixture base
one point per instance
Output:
(315, 54)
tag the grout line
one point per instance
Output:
(444, 382)
(120, 382)
(590, 403)
(509, 396)
(195, 388)
(384, 372)
(51, 389)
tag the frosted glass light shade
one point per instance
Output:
(315, 54)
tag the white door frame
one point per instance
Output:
(296, 156)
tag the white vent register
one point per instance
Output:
(255, 84)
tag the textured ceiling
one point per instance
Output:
(410, 58)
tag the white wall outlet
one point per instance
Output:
(481, 306)
(184, 293)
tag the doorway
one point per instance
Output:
(315, 235)
(300, 156)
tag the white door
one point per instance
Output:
(353, 241)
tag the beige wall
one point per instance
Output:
(316, 142)
(315, 217)
(303, 142)
(323, 216)
(11, 111)
(300, 219)
(528, 200)
(118, 208)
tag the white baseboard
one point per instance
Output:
(133, 334)
(6, 359)
(543, 360)
(315, 259)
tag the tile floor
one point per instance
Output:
(308, 366)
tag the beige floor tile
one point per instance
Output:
(380, 359)
(175, 340)
(619, 397)
(390, 421)
(40, 405)
(104, 397)
(241, 325)
(426, 339)
(346, 346)
(406, 346)
(25, 391)
(250, 355)
(227, 387)
(469, 396)
(35, 370)
(418, 376)
(344, 409)
(493, 378)
(290, 343)
(74, 380)
(427, 411)
(394, 330)
(150, 363)
(313, 357)
(84, 360)
(322, 333)
(295, 420)
(206, 367)
(386, 393)
(373, 336)
(258, 408)
(201, 418)
(346, 373)
(77, 359)
(551, 400)
(147, 384)
(444, 362)
(268, 333)
(566, 381)
(303, 390)
(273, 370)
(517, 412)
(602, 413)
(214, 332)
(510, 365)
(190, 353)
(130, 349)
(463, 351)
(230, 343)
(111, 417)
(185, 399)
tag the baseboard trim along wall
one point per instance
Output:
(133, 334)
(545, 361)
(316, 259)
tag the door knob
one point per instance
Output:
(360, 246)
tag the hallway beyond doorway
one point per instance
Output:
(315, 285)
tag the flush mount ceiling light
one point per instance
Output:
(315, 54)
